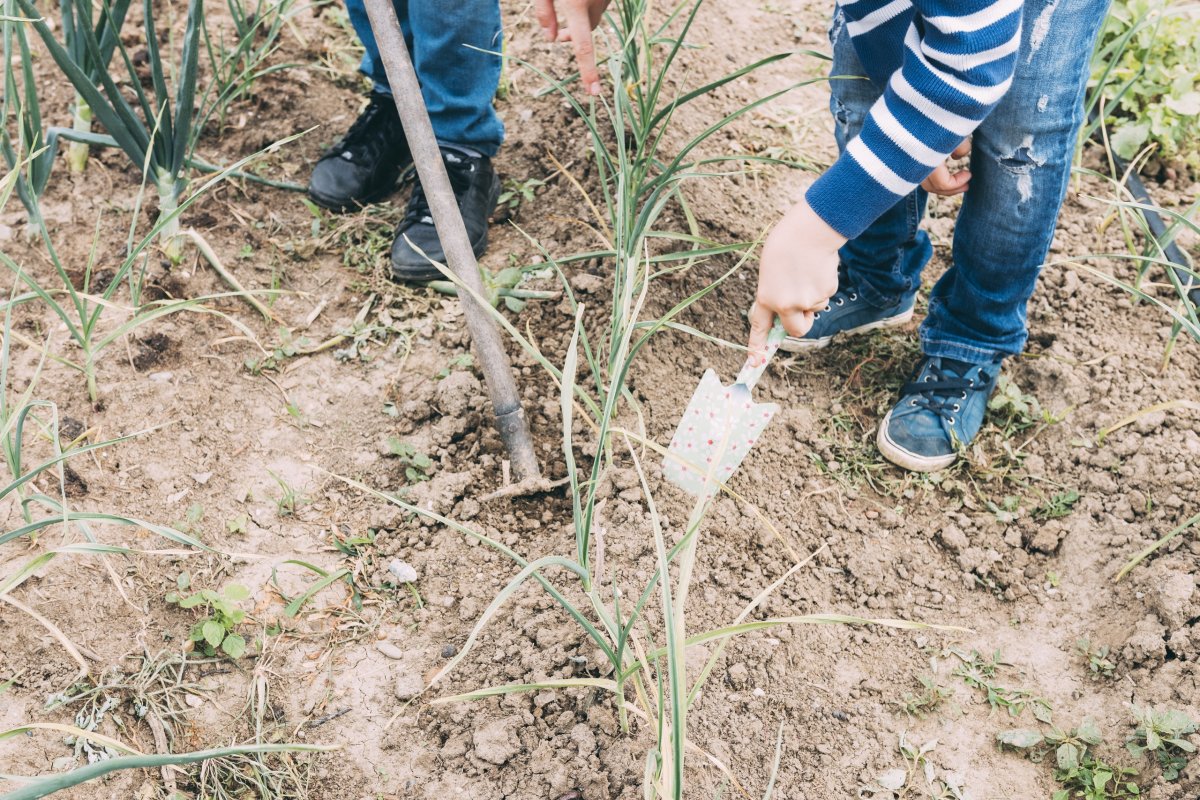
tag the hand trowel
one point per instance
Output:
(719, 426)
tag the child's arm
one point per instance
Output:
(948, 80)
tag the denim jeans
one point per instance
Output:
(445, 39)
(1020, 165)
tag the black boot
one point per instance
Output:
(364, 166)
(476, 187)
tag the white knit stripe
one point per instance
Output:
(876, 18)
(903, 137)
(878, 170)
(977, 21)
(929, 109)
(984, 95)
(968, 61)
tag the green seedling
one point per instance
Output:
(215, 630)
(927, 701)
(238, 525)
(461, 361)
(416, 464)
(1096, 657)
(917, 778)
(1013, 411)
(1057, 506)
(1162, 733)
(1082, 774)
(290, 500)
(517, 192)
(979, 672)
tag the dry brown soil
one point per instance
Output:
(219, 446)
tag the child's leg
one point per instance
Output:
(1020, 165)
(885, 262)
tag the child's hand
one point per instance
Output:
(946, 183)
(797, 274)
(581, 18)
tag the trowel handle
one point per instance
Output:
(751, 373)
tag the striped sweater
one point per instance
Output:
(943, 65)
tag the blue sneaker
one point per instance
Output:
(940, 412)
(847, 313)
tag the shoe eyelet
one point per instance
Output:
(816, 316)
(956, 408)
(912, 402)
(827, 308)
(840, 302)
(951, 420)
(853, 296)
(962, 396)
(971, 382)
(928, 378)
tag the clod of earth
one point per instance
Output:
(496, 742)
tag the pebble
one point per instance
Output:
(162, 377)
(448, 651)
(402, 571)
(390, 650)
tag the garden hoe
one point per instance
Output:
(719, 426)
(460, 258)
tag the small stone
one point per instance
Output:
(402, 571)
(587, 283)
(1171, 599)
(448, 651)
(161, 377)
(738, 675)
(202, 477)
(390, 650)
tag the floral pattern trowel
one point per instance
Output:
(719, 426)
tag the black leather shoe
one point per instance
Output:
(476, 186)
(364, 166)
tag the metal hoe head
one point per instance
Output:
(718, 428)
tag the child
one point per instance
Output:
(446, 40)
(914, 81)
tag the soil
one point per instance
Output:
(247, 461)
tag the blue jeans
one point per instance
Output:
(1020, 166)
(457, 80)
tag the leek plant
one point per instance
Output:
(637, 183)
(93, 63)
(31, 156)
(160, 141)
(237, 66)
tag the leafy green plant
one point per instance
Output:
(918, 777)
(517, 192)
(1013, 411)
(1096, 657)
(1162, 733)
(1057, 505)
(92, 61)
(1144, 80)
(31, 157)
(160, 142)
(927, 701)
(980, 672)
(1081, 772)
(290, 500)
(238, 64)
(416, 464)
(216, 629)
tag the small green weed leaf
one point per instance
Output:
(1020, 737)
(191, 601)
(1067, 756)
(1153, 741)
(213, 631)
(1089, 731)
(236, 591)
(893, 779)
(1183, 744)
(234, 645)
(184, 581)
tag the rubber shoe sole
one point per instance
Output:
(792, 344)
(903, 458)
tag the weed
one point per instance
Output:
(464, 361)
(215, 630)
(1096, 658)
(927, 701)
(517, 192)
(1059, 505)
(918, 777)
(290, 500)
(980, 672)
(1082, 774)
(1162, 732)
(416, 464)
(1013, 411)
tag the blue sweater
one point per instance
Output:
(942, 65)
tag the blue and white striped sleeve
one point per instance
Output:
(958, 61)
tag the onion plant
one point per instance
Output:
(159, 141)
(238, 64)
(30, 156)
(106, 31)
(643, 633)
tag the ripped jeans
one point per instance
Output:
(1020, 166)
